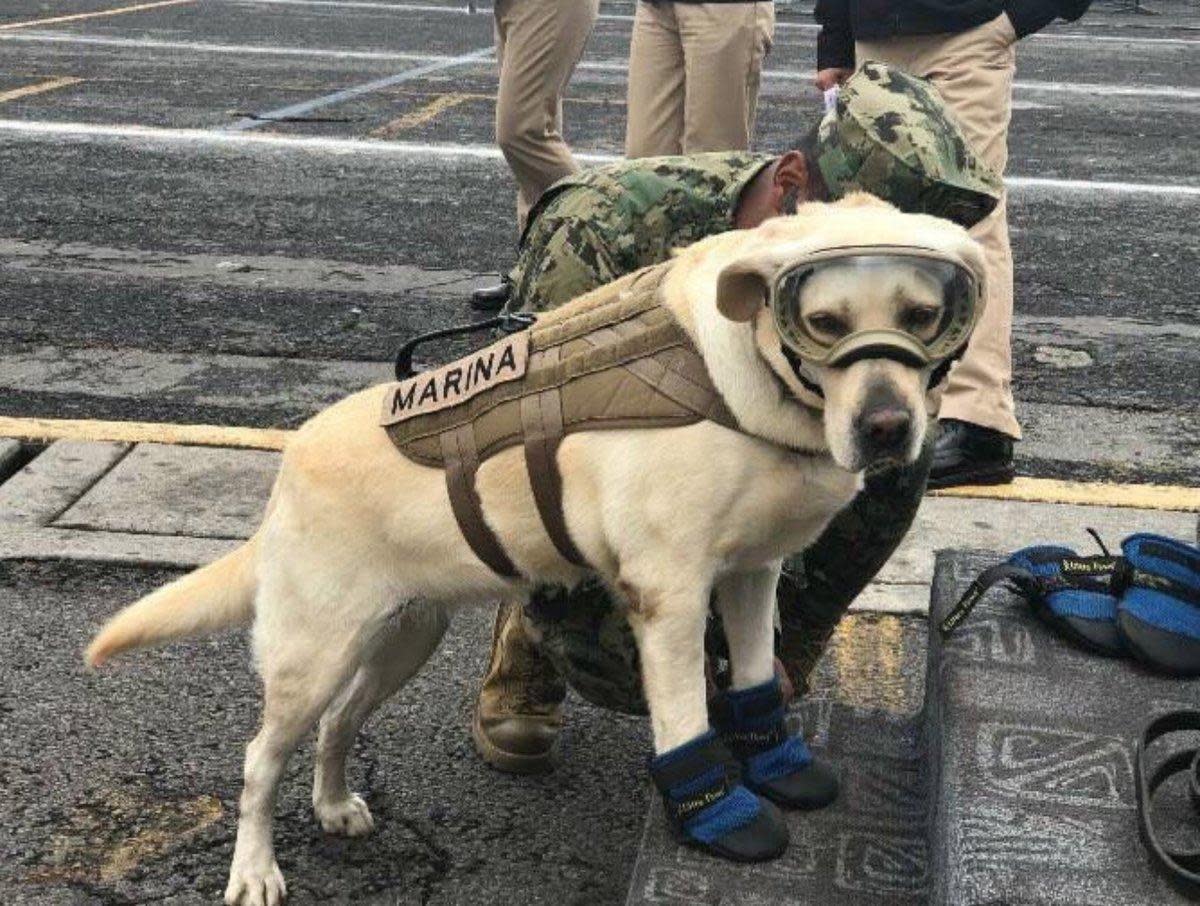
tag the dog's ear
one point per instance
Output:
(741, 290)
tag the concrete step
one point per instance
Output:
(1032, 744)
(1013, 783)
(868, 847)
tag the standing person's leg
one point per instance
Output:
(724, 45)
(973, 71)
(654, 108)
(539, 42)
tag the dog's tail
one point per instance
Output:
(211, 598)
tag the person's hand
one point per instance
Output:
(835, 75)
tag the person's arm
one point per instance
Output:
(558, 265)
(835, 41)
(1029, 16)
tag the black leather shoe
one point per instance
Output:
(492, 298)
(970, 454)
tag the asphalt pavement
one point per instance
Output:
(167, 257)
(232, 211)
(121, 786)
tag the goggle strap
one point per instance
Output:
(798, 370)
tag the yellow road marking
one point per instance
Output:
(48, 429)
(421, 115)
(100, 13)
(444, 102)
(474, 96)
(1026, 490)
(39, 88)
(1086, 493)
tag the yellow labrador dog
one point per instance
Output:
(359, 558)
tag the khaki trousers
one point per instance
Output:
(974, 71)
(694, 71)
(538, 44)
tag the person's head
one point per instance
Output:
(796, 177)
(891, 135)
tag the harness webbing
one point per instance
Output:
(620, 362)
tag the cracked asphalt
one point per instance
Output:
(153, 268)
(120, 787)
(159, 247)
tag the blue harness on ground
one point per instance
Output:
(1144, 603)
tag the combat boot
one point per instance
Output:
(492, 298)
(519, 712)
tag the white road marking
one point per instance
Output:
(1118, 90)
(160, 135)
(26, 91)
(1086, 185)
(232, 49)
(614, 66)
(346, 94)
(618, 17)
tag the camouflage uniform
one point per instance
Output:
(598, 225)
(889, 135)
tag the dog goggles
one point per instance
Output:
(945, 307)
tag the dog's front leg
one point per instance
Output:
(669, 627)
(693, 768)
(746, 602)
(749, 715)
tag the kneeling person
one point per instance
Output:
(890, 136)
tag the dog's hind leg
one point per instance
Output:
(303, 664)
(389, 660)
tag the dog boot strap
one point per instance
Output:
(750, 721)
(700, 783)
(775, 764)
(1073, 594)
(991, 576)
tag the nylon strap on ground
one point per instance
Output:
(1179, 866)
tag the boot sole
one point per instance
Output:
(509, 762)
(990, 475)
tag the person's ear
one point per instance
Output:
(791, 177)
(741, 291)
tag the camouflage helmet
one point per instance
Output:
(891, 135)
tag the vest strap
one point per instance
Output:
(462, 462)
(542, 425)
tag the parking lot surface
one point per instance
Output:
(231, 212)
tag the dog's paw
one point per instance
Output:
(347, 817)
(250, 886)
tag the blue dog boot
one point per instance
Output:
(774, 764)
(1072, 594)
(709, 808)
(1159, 612)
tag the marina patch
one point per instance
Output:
(457, 382)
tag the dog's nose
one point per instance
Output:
(885, 429)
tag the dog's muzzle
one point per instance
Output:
(961, 297)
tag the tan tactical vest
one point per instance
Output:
(620, 361)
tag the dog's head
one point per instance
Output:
(857, 310)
